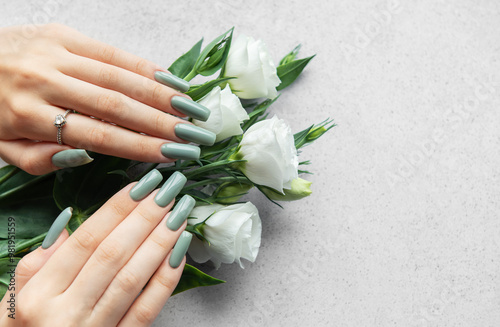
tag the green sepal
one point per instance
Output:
(197, 92)
(289, 72)
(312, 133)
(290, 56)
(185, 63)
(193, 277)
(218, 49)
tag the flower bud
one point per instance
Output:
(232, 192)
(300, 189)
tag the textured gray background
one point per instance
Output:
(402, 228)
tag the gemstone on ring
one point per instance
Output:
(60, 121)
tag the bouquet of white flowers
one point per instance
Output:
(250, 151)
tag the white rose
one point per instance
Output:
(226, 113)
(250, 62)
(234, 232)
(271, 157)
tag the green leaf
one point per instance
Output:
(32, 217)
(22, 246)
(197, 92)
(21, 185)
(185, 63)
(87, 187)
(290, 71)
(193, 277)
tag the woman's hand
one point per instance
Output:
(94, 277)
(122, 110)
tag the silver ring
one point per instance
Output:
(59, 122)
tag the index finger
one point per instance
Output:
(85, 46)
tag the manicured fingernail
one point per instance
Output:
(190, 108)
(180, 151)
(180, 249)
(71, 158)
(57, 227)
(180, 212)
(146, 185)
(194, 134)
(172, 81)
(170, 189)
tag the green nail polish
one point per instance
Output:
(194, 134)
(146, 185)
(172, 81)
(71, 158)
(57, 227)
(180, 212)
(190, 108)
(180, 151)
(170, 189)
(180, 249)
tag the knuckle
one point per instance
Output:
(107, 76)
(159, 122)
(53, 29)
(84, 240)
(109, 253)
(97, 136)
(107, 102)
(107, 53)
(145, 315)
(158, 94)
(31, 163)
(144, 67)
(26, 267)
(165, 280)
(128, 282)
(148, 215)
(161, 242)
(118, 209)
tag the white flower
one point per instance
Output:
(233, 232)
(271, 157)
(250, 62)
(226, 113)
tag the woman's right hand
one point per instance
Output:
(95, 276)
(122, 108)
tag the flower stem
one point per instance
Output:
(209, 167)
(209, 181)
(192, 74)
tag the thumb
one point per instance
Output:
(38, 158)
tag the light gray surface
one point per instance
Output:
(403, 227)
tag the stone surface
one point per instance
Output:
(403, 226)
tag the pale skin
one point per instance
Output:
(54, 68)
(94, 277)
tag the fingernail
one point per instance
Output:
(190, 108)
(180, 212)
(71, 158)
(180, 151)
(172, 81)
(146, 185)
(57, 227)
(170, 189)
(194, 134)
(180, 249)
